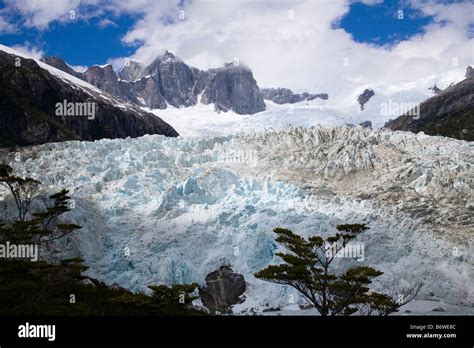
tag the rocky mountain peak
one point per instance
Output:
(230, 88)
(131, 70)
(365, 97)
(166, 58)
(469, 73)
(37, 121)
(170, 81)
(435, 89)
(286, 96)
(168, 55)
(60, 64)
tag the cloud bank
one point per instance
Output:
(295, 44)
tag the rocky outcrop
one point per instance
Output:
(435, 89)
(174, 78)
(366, 124)
(148, 92)
(230, 88)
(450, 113)
(286, 96)
(29, 97)
(60, 64)
(168, 80)
(105, 78)
(131, 71)
(469, 73)
(223, 289)
(365, 97)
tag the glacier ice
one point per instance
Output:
(185, 206)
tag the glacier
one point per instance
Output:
(340, 109)
(171, 210)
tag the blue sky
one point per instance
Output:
(86, 42)
(383, 24)
(81, 42)
(299, 44)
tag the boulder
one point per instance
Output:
(223, 289)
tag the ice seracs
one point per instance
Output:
(182, 205)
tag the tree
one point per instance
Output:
(43, 288)
(33, 226)
(24, 191)
(307, 269)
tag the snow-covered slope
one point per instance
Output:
(185, 206)
(56, 72)
(338, 110)
(41, 120)
(71, 80)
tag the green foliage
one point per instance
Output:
(306, 268)
(33, 226)
(43, 288)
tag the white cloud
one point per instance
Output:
(6, 27)
(286, 43)
(370, 2)
(301, 49)
(79, 68)
(29, 50)
(39, 13)
(459, 14)
(106, 22)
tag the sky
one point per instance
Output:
(305, 45)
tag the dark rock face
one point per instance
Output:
(366, 124)
(224, 288)
(230, 88)
(435, 89)
(323, 96)
(28, 105)
(58, 63)
(450, 113)
(169, 80)
(286, 96)
(132, 71)
(365, 97)
(147, 88)
(174, 78)
(469, 73)
(107, 80)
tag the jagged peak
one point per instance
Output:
(167, 57)
(168, 54)
(469, 72)
(129, 62)
(46, 58)
(236, 64)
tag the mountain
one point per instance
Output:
(40, 104)
(60, 64)
(131, 71)
(449, 113)
(168, 80)
(286, 96)
(230, 88)
(174, 78)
